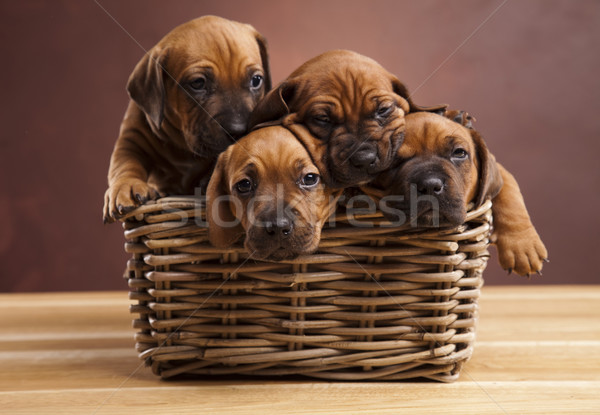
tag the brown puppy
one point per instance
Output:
(191, 96)
(513, 230)
(268, 186)
(441, 168)
(352, 104)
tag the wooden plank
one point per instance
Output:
(98, 368)
(537, 351)
(218, 397)
(539, 313)
(534, 361)
(54, 314)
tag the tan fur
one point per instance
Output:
(275, 161)
(431, 138)
(520, 248)
(172, 133)
(348, 90)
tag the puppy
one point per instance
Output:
(268, 186)
(352, 104)
(440, 169)
(191, 97)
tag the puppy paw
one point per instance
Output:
(462, 117)
(124, 196)
(521, 252)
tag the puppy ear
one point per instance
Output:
(223, 227)
(146, 84)
(490, 179)
(317, 149)
(264, 57)
(274, 105)
(401, 90)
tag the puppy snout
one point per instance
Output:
(433, 186)
(279, 227)
(234, 121)
(235, 128)
(365, 156)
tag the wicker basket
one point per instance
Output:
(374, 303)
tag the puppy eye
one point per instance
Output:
(244, 186)
(460, 153)
(256, 81)
(310, 180)
(385, 110)
(198, 84)
(322, 119)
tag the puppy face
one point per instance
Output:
(441, 167)
(267, 186)
(199, 84)
(349, 102)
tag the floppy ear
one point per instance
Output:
(274, 105)
(146, 85)
(317, 149)
(264, 57)
(490, 179)
(401, 90)
(223, 227)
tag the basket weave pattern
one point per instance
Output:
(376, 302)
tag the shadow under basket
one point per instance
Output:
(375, 302)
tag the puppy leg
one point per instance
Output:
(127, 178)
(520, 248)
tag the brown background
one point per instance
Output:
(528, 70)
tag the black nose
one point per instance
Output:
(236, 129)
(281, 226)
(430, 186)
(364, 156)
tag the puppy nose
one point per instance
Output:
(236, 129)
(430, 186)
(364, 156)
(281, 226)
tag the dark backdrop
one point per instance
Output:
(528, 70)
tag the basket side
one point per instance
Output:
(385, 304)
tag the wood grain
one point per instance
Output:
(537, 351)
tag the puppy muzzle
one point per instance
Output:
(273, 237)
(365, 157)
(425, 196)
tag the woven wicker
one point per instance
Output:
(374, 303)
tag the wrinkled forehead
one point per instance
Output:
(271, 153)
(363, 73)
(428, 132)
(348, 89)
(225, 47)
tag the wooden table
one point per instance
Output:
(537, 351)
